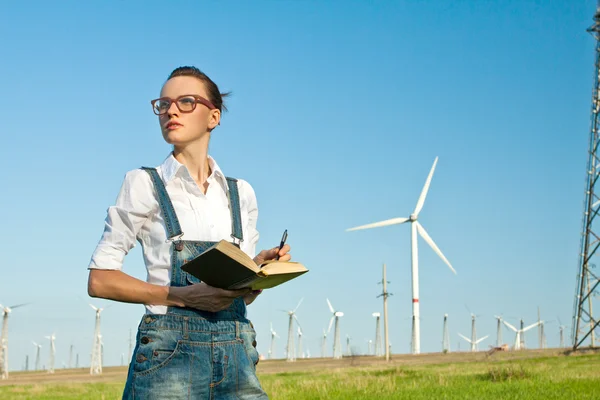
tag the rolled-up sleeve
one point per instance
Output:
(252, 235)
(124, 221)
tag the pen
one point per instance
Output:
(283, 239)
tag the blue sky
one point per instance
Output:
(337, 113)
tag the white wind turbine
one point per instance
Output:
(519, 333)
(300, 350)
(273, 337)
(416, 227)
(291, 353)
(474, 343)
(4, 340)
(96, 364)
(378, 349)
(337, 346)
(52, 353)
(348, 352)
(323, 343)
(499, 331)
(445, 336)
(38, 347)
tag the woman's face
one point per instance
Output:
(180, 128)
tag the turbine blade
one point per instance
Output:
(94, 307)
(330, 306)
(393, 221)
(298, 304)
(531, 326)
(297, 321)
(430, 242)
(18, 305)
(482, 339)
(423, 195)
(467, 339)
(330, 324)
(509, 325)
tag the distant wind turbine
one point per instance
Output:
(416, 227)
(337, 346)
(4, 340)
(519, 333)
(291, 353)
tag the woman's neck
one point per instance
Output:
(195, 157)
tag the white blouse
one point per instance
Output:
(206, 217)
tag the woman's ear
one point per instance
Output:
(214, 119)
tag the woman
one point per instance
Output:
(194, 341)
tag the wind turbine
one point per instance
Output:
(474, 343)
(416, 227)
(323, 343)
(96, 364)
(300, 351)
(519, 333)
(378, 351)
(445, 336)
(4, 339)
(52, 353)
(37, 355)
(273, 337)
(561, 329)
(499, 331)
(348, 352)
(337, 347)
(291, 354)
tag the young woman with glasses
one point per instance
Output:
(194, 341)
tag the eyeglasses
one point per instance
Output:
(185, 104)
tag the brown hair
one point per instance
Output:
(214, 95)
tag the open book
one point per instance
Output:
(226, 266)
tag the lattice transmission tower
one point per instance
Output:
(584, 322)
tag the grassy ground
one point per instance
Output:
(536, 377)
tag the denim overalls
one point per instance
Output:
(188, 353)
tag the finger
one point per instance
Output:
(286, 257)
(285, 249)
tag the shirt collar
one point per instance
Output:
(171, 167)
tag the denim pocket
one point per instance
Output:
(249, 342)
(154, 353)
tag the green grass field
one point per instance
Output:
(540, 377)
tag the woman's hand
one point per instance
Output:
(263, 256)
(204, 297)
(270, 254)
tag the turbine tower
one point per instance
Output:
(337, 346)
(378, 351)
(4, 340)
(38, 347)
(300, 350)
(96, 364)
(445, 336)
(498, 331)
(416, 227)
(584, 320)
(291, 353)
(348, 351)
(385, 294)
(52, 353)
(273, 337)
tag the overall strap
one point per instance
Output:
(171, 221)
(234, 207)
